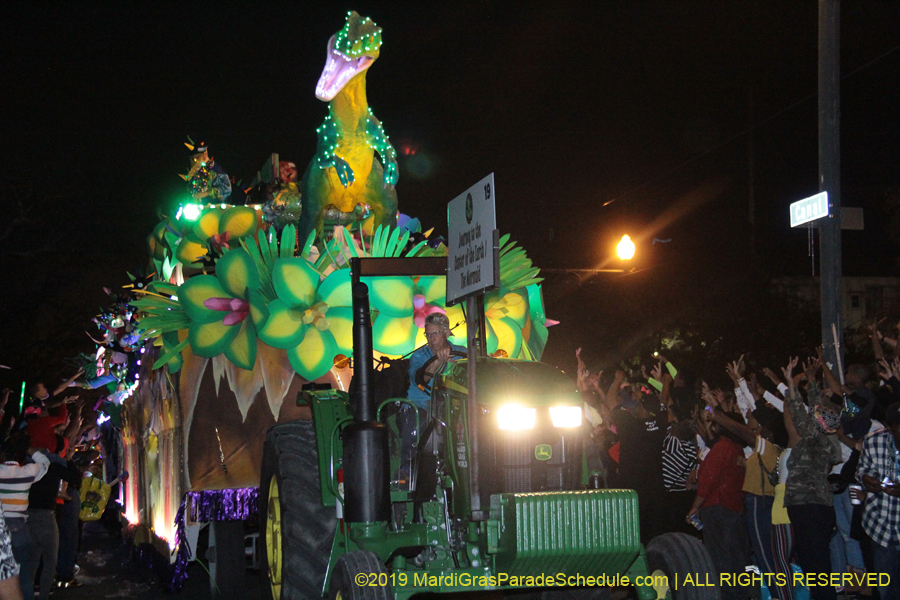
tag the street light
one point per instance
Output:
(625, 249)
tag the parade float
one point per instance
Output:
(246, 301)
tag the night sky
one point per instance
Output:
(597, 118)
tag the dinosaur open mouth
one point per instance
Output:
(339, 69)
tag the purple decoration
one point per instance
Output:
(224, 505)
(209, 505)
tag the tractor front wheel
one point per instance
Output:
(678, 553)
(360, 575)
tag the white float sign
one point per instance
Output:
(471, 221)
(809, 209)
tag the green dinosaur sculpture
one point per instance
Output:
(345, 173)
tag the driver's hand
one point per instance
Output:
(443, 354)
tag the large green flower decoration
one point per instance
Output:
(218, 307)
(308, 319)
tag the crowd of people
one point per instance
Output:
(44, 452)
(799, 468)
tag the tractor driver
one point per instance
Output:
(437, 330)
(423, 364)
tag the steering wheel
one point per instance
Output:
(421, 379)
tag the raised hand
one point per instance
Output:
(657, 372)
(789, 369)
(811, 368)
(884, 369)
(731, 369)
(581, 370)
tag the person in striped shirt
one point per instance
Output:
(10, 588)
(16, 479)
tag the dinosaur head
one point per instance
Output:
(351, 51)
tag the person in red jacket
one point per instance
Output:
(43, 430)
(720, 505)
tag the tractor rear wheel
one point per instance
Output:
(360, 575)
(678, 553)
(298, 530)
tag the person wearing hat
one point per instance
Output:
(807, 493)
(879, 472)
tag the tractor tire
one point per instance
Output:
(306, 529)
(679, 553)
(360, 575)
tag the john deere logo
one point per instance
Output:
(543, 452)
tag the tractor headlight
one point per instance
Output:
(565, 416)
(516, 418)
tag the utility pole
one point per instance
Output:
(830, 173)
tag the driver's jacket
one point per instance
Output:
(416, 362)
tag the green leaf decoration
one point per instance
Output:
(314, 356)
(536, 303)
(394, 335)
(307, 246)
(237, 272)
(211, 339)
(340, 324)
(415, 249)
(239, 222)
(284, 328)
(392, 296)
(197, 290)
(189, 252)
(537, 339)
(259, 312)
(295, 282)
(172, 355)
(336, 290)
(242, 350)
(264, 259)
(288, 242)
(516, 270)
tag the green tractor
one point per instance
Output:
(497, 499)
